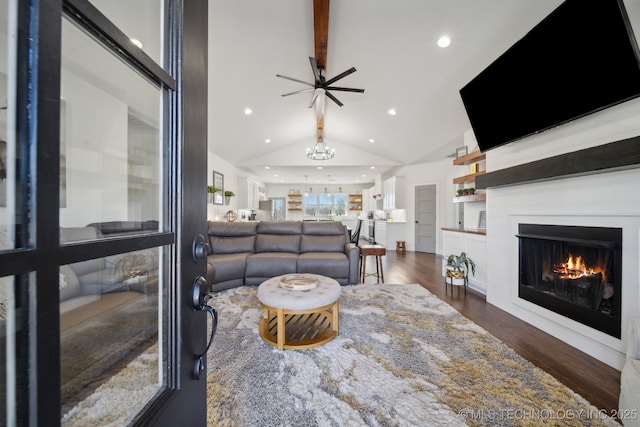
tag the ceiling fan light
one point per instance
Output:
(320, 151)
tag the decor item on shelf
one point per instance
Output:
(461, 151)
(231, 216)
(227, 196)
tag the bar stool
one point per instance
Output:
(373, 250)
(401, 246)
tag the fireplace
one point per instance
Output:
(574, 271)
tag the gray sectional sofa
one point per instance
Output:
(84, 280)
(248, 253)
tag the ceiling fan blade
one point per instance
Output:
(295, 80)
(340, 76)
(344, 89)
(321, 31)
(297, 91)
(316, 71)
(333, 98)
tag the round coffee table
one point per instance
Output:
(295, 319)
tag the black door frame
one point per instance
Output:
(37, 230)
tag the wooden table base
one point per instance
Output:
(299, 329)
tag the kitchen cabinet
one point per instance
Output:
(387, 233)
(249, 193)
(474, 244)
(377, 187)
(366, 200)
(393, 193)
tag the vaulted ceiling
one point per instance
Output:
(391, 43)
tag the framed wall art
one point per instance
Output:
(218, 183)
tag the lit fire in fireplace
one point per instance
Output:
(575, 268)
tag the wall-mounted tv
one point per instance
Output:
(581, 58)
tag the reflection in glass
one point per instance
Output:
(141, 20)
(111, 140)
(109, 337)
(7, 130)
(8, 360)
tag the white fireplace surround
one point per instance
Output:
(610, 199)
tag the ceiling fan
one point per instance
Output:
(321, 86)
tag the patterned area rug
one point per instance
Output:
(403, 358)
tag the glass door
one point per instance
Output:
(99, 171)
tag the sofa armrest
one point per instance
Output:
(211, 273)
(633, 340)
(353, 254)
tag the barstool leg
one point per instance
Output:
(381, 270)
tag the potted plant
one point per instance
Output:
(228, 195)
(458, 267)
(211, 190)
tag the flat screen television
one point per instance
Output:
(580, 59)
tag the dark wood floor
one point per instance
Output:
(592, 379)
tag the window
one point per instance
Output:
(325, 204)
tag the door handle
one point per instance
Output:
(199, 298)
(199, 248)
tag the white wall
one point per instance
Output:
(231, 175)
(96, 154)
(605, 199)
(439, 173)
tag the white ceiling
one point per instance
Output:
(392, 44)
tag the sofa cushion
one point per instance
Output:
(323, 228)
(231, 245)
(231, 229)
(312, 243)
(101, 281)
(280, 227)
(330, 264)
(268, 264)
(229, 266)
(231, 237)
(278, 243)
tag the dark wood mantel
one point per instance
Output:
(614, 156)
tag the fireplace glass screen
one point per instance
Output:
(573, 271)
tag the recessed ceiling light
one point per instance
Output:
(444, 41)
(372, 167)
(137, 43)
(248, 111)
(267, 167)
(319, 167)
(266, 141)
(371, 140)
(392, 111)
(364, 176)
(276, 175)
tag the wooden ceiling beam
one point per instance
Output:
(321, 31)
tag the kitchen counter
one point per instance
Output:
(478, 231)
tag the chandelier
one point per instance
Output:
(320, 151)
